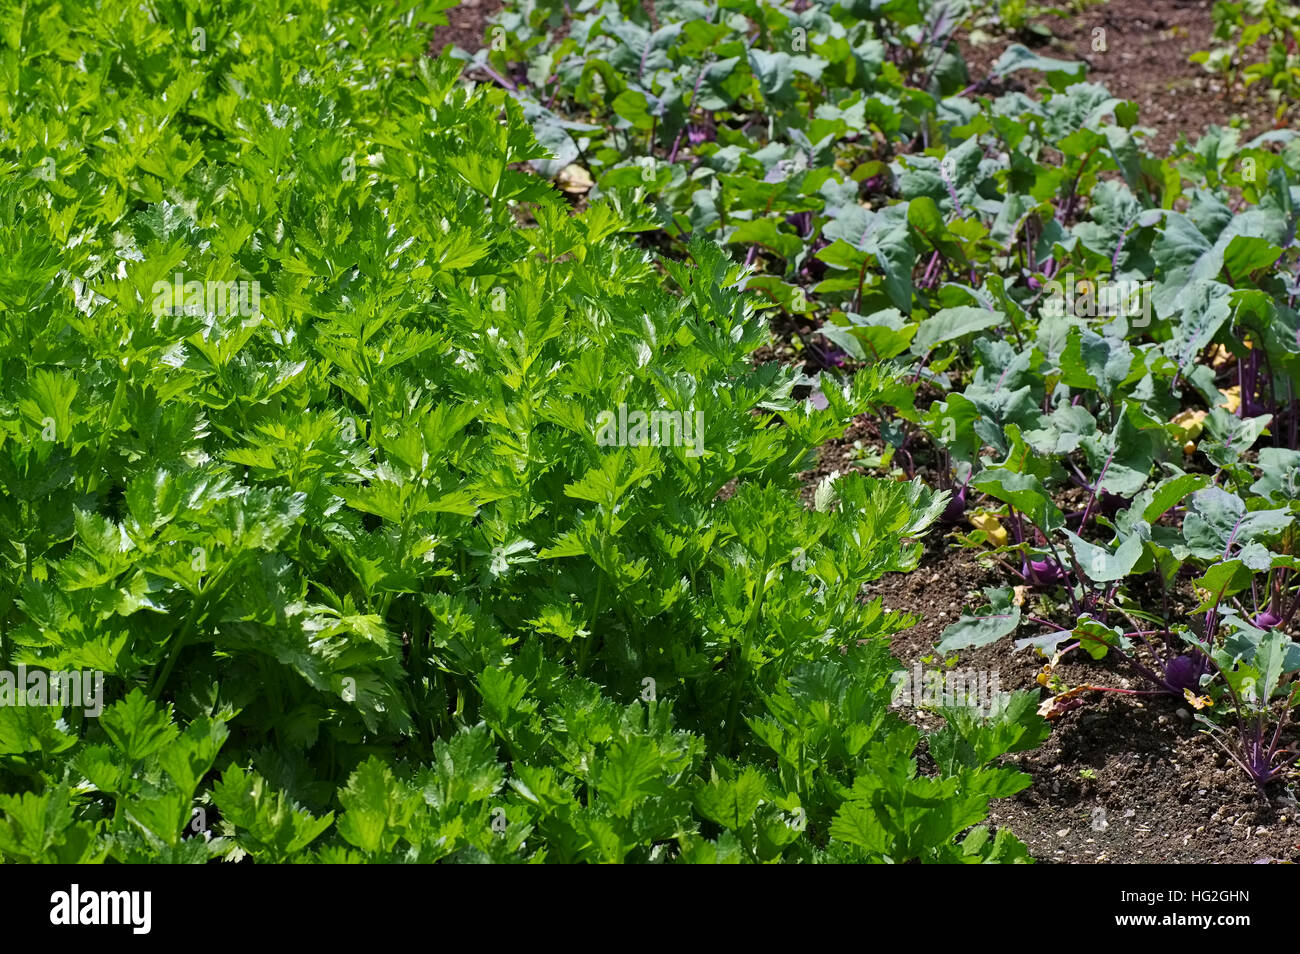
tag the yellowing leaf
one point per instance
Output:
(1063, 702)
(1231, 398)
(990, 525)
(1058, 705)
(1190, 423)
(1219, 357)
(1197, 702)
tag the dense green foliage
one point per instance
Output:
(364, 582)
(1108, 339)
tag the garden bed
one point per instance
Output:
(1120, 780)
(672, 432)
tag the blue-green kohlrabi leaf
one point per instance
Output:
(949, 324)
(1230, 436)
(1095, 362)
(876, 337)
(775, 72)
(1218, 521)
(1024, 492)
(998, 619)
(1279, 474)
(1100, 565)
(1187, 256)
(886, 236)
(1254, 661)
(1018, 57)
(926, 220)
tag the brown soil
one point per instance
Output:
(466, 26)
(1146, 60)
(1123, 779)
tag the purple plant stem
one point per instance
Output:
(1119, 247)
(501, 80)
(672, 155)
(952, 192)
(928, 278)
(1092, 494)
(1047, 622)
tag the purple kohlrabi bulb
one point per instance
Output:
(1267, 619)
(956, 508)
(1044, 572)
(1110, 504)
(1185, 671)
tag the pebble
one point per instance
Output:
(1063, 833)
(1184, 715)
